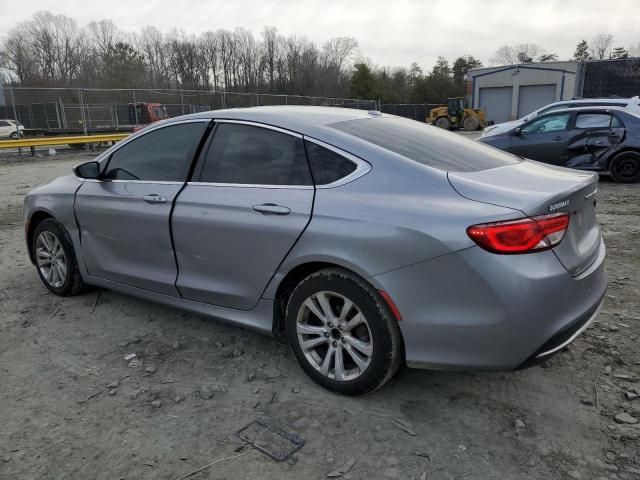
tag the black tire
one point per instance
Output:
(385, 336)
(443, 122)
(625, 167)
(470, 124)
(15, 135)
(73, 283)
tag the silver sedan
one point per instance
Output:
(365, 240)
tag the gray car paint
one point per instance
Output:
(401, 226)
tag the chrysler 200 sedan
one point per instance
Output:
(365, 240)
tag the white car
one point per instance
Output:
(631, 103)
(8, 129)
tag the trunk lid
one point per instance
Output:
(538, 189)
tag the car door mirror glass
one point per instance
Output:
(89, 170)
(517, 132)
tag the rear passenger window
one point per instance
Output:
(596, 120)
(327, 166)
(244, 154)
(161, 155)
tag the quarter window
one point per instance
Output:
(549, 123)
(327, 166)
(161, 155)
(596, 120)
(249, 155)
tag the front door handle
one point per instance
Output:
(558, 138)
(271, 208)
(153, 198)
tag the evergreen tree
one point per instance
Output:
(363, 82)
(461, 67)
(619, 52)
(582, 51)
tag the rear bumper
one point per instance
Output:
(476, 310)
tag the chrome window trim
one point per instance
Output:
(154, 182)
(362, 167)
(259, 125)
(250, 185)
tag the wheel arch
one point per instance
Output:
(298, 273)
(36, 218)
(620, 152)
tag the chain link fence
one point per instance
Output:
(87, 110)
(414, 111)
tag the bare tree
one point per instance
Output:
(522, 53)
(601, 46)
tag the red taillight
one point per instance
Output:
(526, 235)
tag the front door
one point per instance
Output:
(543, 139)
(250, 201)
(124, 216)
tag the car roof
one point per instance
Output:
(622, 101)
(592, 108)
(282, 115)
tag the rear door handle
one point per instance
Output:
(271, 208)
(558, 138)
(153, 198)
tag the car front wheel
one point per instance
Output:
(342, 332)
(56, 260)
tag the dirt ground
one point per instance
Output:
(71, 407)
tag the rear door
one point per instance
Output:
(249, 201)
(593, 135)
(124, 217)
(544, 138)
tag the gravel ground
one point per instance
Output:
(71, 407)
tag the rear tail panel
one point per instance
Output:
(538, 189)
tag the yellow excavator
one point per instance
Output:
(456, 114)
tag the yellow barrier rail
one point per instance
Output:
(77, 139)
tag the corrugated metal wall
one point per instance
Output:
(605, 78)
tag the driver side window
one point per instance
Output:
(549, 123)
(162, 155)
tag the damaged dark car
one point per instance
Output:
(599, 139)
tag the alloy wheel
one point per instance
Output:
(334, 336)
(51, 259)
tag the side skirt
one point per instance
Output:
(258, 318)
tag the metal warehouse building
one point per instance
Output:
(513, 91)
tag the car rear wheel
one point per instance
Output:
(342, 332)
(625, 167)
(56, 260)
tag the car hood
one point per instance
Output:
(501, 128)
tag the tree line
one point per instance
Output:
(54, 51)
(50, 50)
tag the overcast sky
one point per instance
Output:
(390, 32)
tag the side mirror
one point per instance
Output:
(90, 170)
(518, 131)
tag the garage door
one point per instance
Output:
(532, 97)
(497, 102)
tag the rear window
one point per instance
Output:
(426, 144)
